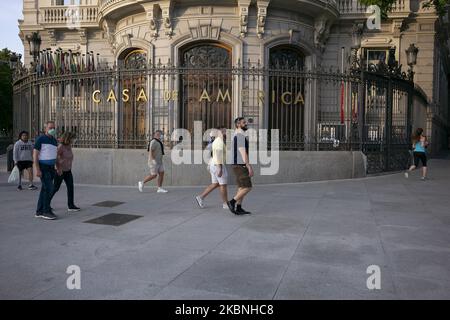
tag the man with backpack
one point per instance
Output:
(155, 162)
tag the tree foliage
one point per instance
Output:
(6, 93)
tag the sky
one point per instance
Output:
(10, 12)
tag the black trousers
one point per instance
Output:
(68, 179)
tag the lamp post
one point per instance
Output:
(14, 60)
(34, 41)
(411, 57)
(357, 32)
(356, 126)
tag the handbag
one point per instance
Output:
(14, 176)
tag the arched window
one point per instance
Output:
(206, 85)
(286, 95)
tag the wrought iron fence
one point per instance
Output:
(119, 106)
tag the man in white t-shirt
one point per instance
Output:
(217, 169)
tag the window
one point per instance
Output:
(206, 89)
(286, 95)
(67, 2)
(374, 56)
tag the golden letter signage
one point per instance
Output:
(286, 97)
(94, 96)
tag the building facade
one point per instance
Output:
(284, 64)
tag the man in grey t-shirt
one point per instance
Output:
(155, 162)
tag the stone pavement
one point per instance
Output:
(303, 241)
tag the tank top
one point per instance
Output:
(418, 147)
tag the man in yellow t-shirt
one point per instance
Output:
(217, 169)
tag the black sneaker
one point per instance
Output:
(19, 188)
(32, 187)
(242, 211)
(73, 209)
(231, 207)
(48, 216)
(37, 214)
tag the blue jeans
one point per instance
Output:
(45, 196)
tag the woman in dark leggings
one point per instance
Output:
(420, 144)
(64, 169)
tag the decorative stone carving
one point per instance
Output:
(207, 56)
(83, 36)
(210, 30)
(261, 20)
(396, 25)
(167, 23)
(243, 17)
(321, 32)
(127, 39)
(294, 35)
(109, 29)
(151, 16)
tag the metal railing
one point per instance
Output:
(356, 7)
(118, 107)
(74, 14)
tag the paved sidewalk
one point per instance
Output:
(303, 241)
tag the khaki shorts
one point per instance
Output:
(155, 168)
(243, 179)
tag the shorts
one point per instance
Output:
(243, 179)
(155, 168)
(22, 165)
(214, 170)
(420, 156)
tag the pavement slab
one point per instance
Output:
(313, 240)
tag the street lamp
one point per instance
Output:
(357, 32)
(14, 60)
(411, 57)
(34, 42)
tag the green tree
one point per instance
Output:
(6, 93)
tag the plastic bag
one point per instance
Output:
(14, 176)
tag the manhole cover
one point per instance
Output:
(108, 204)
(114, 219)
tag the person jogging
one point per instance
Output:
(241, 167)
(419, 144)
(23, 159)
(217, 168)
(155, 162)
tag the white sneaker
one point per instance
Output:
(200, 202)
(161, 190)
(140, 186)
(406, 175)
(225, 206)
(423, 178)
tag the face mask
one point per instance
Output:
(245, 128)
(52, 132)
(162, 137)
